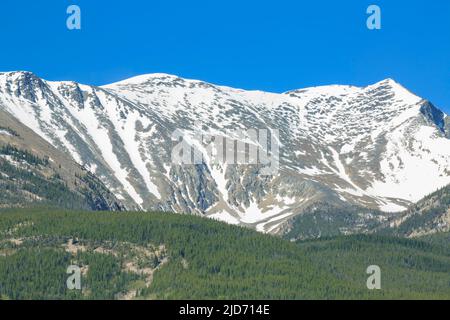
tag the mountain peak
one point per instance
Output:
(15, 75)
(389, 81)
(393, 87)
(145, 78)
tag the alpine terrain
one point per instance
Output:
(376, 150)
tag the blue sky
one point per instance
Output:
(268, 45)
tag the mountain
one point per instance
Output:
(322, 220)
(378, 147)
(428, 216)
(32, 172)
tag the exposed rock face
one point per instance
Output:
(377, 147)
(32, 172)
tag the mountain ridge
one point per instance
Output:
(145, 77)
(370, 146)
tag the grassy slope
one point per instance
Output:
(209, 259)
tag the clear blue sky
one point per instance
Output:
(268, 45)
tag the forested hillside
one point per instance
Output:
(428, 216)
(323, 219)
(169, 256)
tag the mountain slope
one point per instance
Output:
(32, 172)
(428, 216)
(323, 219)
(171, 256)
(378, 147)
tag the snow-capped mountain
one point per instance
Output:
(378, 146)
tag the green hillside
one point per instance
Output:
(323, 219)
(169, 256)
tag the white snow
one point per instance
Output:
(4, 132)
(280, 218)
(310, 171)
(127, 132)
(225, 217)
(411, 174)
(254, 214)
(218, 174)
(391, 207)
